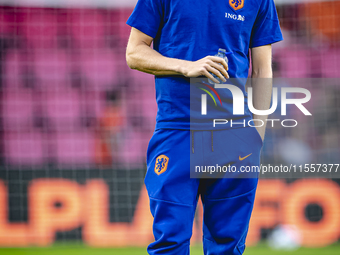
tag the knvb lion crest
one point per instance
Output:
(236, 4)
(161, 164)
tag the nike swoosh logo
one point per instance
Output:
(239, 157)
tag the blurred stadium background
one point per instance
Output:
(75, 124)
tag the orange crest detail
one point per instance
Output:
(236, 4)
(161, 164)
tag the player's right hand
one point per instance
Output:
(205, 67)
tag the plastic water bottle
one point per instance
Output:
(222, 54)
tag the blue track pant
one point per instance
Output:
(227, 202)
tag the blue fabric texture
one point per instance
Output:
(193, 29)
(227, 202)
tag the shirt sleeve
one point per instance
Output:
(147, 16)
(266, 29)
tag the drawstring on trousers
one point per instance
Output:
(193, 141)
(212, 140)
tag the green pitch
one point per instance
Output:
(197, 250)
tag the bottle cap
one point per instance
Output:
(222, 50)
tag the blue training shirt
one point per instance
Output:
(194, 29)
